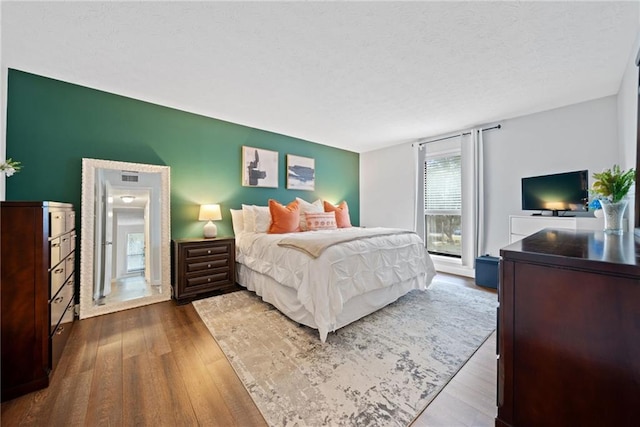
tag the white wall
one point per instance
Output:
(388, 187)
(580, 136)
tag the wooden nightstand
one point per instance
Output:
(202, 267)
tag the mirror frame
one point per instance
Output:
(87, 236)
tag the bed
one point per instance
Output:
(329, 285)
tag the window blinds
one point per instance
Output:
(443, 185)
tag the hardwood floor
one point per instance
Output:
(158, 365)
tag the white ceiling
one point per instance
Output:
(354, 75)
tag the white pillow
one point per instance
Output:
(249, 218)
(306, 207)
(262, 217)
(237, 220)
(257, 219)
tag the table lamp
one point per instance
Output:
(210, 213)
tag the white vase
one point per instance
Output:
(613, 215)
(598, 213)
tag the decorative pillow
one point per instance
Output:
(237, 220)
(321, 221)
(249, 218)
(256, 218)
(306, 207)
(284, 219)
(342, 213)
(262, 217)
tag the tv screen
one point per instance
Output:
(567, 191)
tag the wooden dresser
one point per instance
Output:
(202, 267)
(569, 330)
(37, 287)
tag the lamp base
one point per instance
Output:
(210, 230)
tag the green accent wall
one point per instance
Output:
(52, 125)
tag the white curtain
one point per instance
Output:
(419, 152)
(472, 197)
(478, 145)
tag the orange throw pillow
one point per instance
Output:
(284, 219)
(342, 213)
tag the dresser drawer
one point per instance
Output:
(70, 221)
(59, 303)
(57, 277)
(57, 223)
(59, 335)
(69, 265)
(55, 253)
(65, 245)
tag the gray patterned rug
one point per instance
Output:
(382, 370)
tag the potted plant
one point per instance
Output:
(9, 167)
(612, 186)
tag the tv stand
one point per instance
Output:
(521, 226)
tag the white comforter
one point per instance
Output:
(326, 283)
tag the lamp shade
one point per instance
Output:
(210, 213)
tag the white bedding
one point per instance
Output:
(324, 285)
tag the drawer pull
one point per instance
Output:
(209, 251)
(209, 279)
(208, 265)
(58, 270)
(58, 300)
(55, 245)
(70, 283)
(59, 330)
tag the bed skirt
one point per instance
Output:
(286, 301)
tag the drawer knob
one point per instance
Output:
(59, 330)
(208, 280)
(58, 270)
(55, 245)
(208, 265)
(209, 251)
(58, 300)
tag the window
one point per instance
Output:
(135, 252)
(443, 204)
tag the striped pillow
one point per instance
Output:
(321, 221)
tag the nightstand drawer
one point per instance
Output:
(206, 251)
(207, 265)
(218, 278)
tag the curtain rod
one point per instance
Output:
(455, 136)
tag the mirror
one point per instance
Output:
(125, 238)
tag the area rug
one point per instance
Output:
(382, 370)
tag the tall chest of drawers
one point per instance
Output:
(203, 266)
(37, 288)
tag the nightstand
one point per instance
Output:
(202, 267)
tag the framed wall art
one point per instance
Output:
(259, 167)
(301, 173)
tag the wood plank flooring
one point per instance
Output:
(158, 365)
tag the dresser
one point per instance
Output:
(202, 267)
(37, 288)
(569, 329)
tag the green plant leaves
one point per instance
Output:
(613, 183)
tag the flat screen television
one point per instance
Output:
(568, 191)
